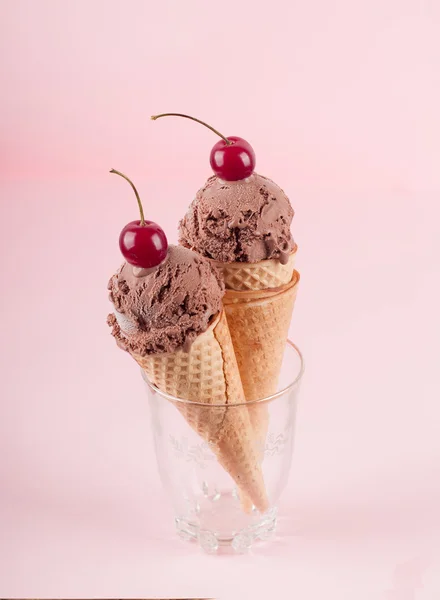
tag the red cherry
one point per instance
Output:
(142, 243)
(231, 159)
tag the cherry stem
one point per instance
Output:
(141, 210)
(154, 117)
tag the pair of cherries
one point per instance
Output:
(143, 243)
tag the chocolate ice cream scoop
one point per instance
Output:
(239, 221)
(164, 308)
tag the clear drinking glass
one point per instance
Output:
(206, 500)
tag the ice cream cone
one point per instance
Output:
(243, 227)
(259, 324)
(259, 320)
(263, 275)
(207, 375)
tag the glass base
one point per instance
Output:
(219, 521)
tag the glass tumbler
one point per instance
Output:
(208, 507)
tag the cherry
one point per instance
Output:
(233, 161)
(142, 243)
(232, 158)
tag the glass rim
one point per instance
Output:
(267, 399)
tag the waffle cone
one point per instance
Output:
(263, 275)
(259, 322)
(208, 375)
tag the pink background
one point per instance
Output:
(341, 103)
